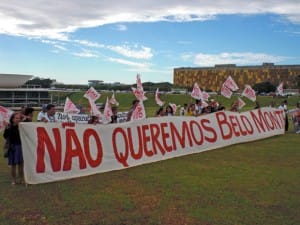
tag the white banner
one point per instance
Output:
(56, 151)
(75, 118)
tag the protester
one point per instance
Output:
(15, 155)
(94, 120)
(297, 118)
(169, 111)
(295, 115)
(114, 117)
(191, 111)
(221, 107)
(206, 110)
(198, 107)
(42, 113)
(214, 105)
(50, 115)
(234, 107)
(22, 112)
(28, 114)
(160, 112)
(283, 106)
(131, 110)
(183, 110)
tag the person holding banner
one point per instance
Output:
(283, 106)
(94, 120)
(50, 115)
(198, 107)
(295, 115)
(160, 112)
(15, 155)
(234, 107)
(114, 117)
(169, 111)
(42, 113)
(28, 114)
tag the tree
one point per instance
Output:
(44, 83)
(264, 87)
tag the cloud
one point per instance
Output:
(56, 19)
(60, 47)
(243, 58)
(121, 27)
(129, 63)
(135, 52)
(85, 54)
(89, 43)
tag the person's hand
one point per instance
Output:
(44, 120)
(5, 123)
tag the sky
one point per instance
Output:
(74, 41)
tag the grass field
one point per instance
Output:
(244, 184)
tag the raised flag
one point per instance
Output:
(279, 89)
(226, 92)
(241, 103)
(230, 83)
(204, 104)
(94, 111)
(249, 93)
(113, 100)
(91, 94)
(139, 84)
(5, 115)
(174, 107)
(107, 113)
(205, 96)
(196, 93)
(70, 107)
(139, 94)
(139, 112)
(157, 99)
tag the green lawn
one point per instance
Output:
(244, 184)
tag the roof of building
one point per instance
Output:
(13, 80)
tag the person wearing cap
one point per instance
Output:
(42, 113)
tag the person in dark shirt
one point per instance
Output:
(114, 117)
(15, 155)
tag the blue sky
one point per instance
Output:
(76, 41)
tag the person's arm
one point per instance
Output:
(6, 131)
(129, 114)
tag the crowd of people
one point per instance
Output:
(47, 114)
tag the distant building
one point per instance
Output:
(212, 78)
(92, 83)
(13, 93)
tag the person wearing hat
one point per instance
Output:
(42, 113)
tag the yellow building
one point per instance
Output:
(212, 78)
